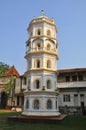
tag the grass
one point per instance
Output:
(69, 123)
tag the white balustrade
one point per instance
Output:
(71, 84)
(40, 49)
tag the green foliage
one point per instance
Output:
(9, 85)
(3, 68)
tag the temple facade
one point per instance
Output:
(72, 89)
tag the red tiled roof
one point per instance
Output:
(11, 72)
(71, 70)
(2, 85)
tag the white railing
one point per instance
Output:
(71, 84)
(41, 49)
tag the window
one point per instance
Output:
(39, 32)
(80, 77)
(48, 84)
(74, 78)
(48, 64)
(28, 84)
(38, 46)
(24, 80)
(48, 47)
(49, 104)
(75, 95)
(37, 84)
(17, 82)
(48, 33)
(22, 100)
(66, 98)
(82, 97)
(27, 104)
(18, 100)
(76, 100)
(38, 63)
(36, 104)
(67, 78)
(56, 104)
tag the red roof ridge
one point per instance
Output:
(11, 72)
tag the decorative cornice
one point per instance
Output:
(40, 69)
(40, 36)
(42, 51)
(39, 91)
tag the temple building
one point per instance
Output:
(43, 90)
(7, 86)
(72, 90)
(41, 96)
(12, 86)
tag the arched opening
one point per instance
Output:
(38, 46)
(48, 64)
(56, 46)
(48, 47)
(28, 84)
(48, 84)
(56, 104)
(49, 104)
(27, 104)
(48, 33)
(39, 32)
(38, 63)
(36, 104)
(37, 84)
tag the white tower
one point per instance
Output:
(40, 97)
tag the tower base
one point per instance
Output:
(41, 114)
(38, 119)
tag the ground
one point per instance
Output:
(71, 122)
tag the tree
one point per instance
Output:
(3, 68)
(9, 89)
(9, 85)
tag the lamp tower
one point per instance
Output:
(40, 96)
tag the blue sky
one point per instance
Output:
(70, 17)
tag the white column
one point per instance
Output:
(30, 103)
(24, 103)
